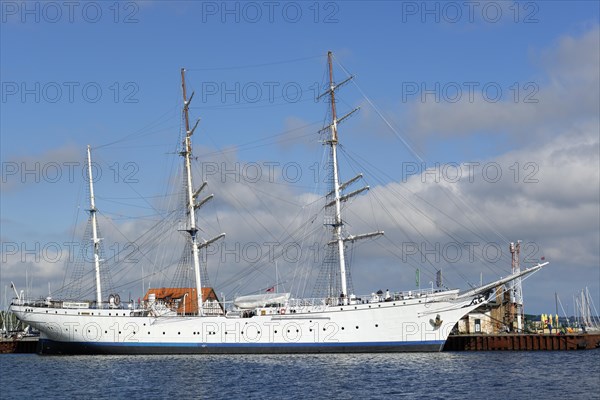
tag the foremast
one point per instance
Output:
(338, 223)
(95, 239)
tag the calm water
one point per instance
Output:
(500, 375)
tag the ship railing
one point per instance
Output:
(30, 302)
(413, 294)
(70, 304)
(375, 297)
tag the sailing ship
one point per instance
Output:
(194, 320)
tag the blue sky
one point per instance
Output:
(541, 56)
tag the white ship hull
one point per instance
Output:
(419, 324)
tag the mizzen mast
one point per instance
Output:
(95, 239)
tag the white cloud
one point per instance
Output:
(55, 165)
(565, 92)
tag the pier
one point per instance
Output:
(23, 345)
(522, 342)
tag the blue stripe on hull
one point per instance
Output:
(46, 346)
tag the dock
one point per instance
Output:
(23, 345)
(522, 342)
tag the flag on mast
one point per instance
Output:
(418, 277)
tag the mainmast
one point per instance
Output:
(191, 206)
(95, 239)
(338, 222)
(336, 183)
(192, 195)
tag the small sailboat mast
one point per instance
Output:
(95, 239)
(190, 194)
